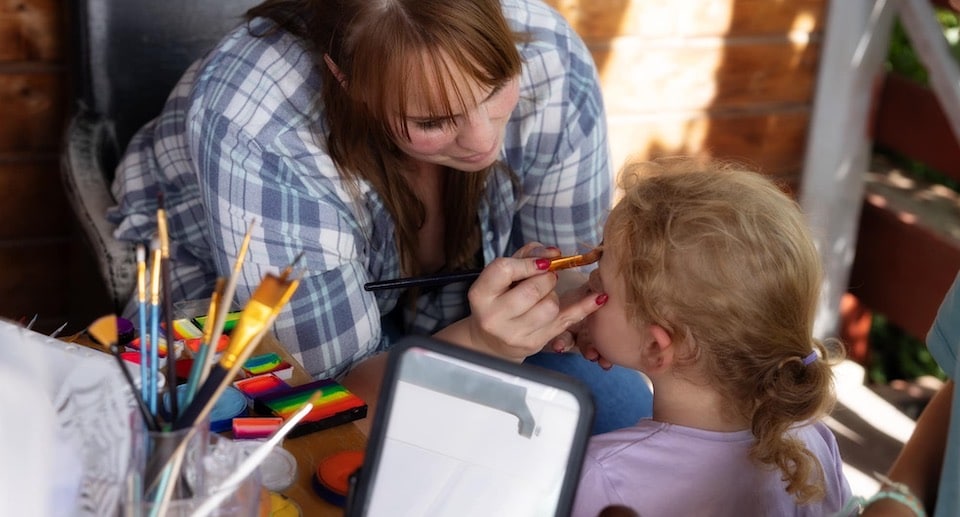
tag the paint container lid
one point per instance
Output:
(125, 331)
(231, 404)
(278, 470)
(283, 506)
(332, 481)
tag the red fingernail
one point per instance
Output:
(601, 299)
(543, 264)
(553, 248)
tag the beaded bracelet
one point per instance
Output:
(890, 490)
(899, 492)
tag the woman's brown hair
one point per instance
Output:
(387, 50)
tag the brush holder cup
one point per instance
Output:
(172, 473)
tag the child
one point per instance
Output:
(712, 281)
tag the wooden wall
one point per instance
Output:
(44, 269)
(733, 78)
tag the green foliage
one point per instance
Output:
(904, 61)
(896, 355)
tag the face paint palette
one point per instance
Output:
(338, 405)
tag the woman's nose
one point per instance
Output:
(479, 133)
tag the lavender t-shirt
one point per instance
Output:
(664, 469)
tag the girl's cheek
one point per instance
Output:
(593, 282)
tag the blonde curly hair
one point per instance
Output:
(723, 260)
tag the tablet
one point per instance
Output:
(457, 432)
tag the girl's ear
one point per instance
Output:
(659, 351)
(335, 70)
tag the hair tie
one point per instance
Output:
(810, 358)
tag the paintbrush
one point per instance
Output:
(226, 300)
(104, 330)
(142, 313)
(461, 276)
(205, 345)
(154, 338)
(251, 462)
(167, 306)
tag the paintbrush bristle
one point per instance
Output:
(104, 330)
(576, 260)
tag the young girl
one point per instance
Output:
(712, 281)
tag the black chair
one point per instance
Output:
(129, 54)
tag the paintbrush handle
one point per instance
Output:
(154, 342)
(423, 281)
(171, 339)
(148, 418)
(205, 395)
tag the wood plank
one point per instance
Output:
(771, 141)
(33, 112)
(32, 201)
(909, 120)
(908, 248)
(603, 19)
(901, 268)
(33, 278)
(31, 30)
(638, 78)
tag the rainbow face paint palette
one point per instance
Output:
(337, 406)
(255, 427)
(268, 363)
(260, 385)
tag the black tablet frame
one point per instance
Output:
(361, 489)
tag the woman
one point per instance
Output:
(384, 139)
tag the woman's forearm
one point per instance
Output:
(919, 463)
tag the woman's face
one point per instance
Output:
(469, 140)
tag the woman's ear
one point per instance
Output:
(659, 351)
(335, 70)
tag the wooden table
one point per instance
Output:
(312, 448)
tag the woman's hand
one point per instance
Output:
(515, 310)
(577, 335)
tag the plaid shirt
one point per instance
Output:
(239, 139)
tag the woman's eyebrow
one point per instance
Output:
(496, 89)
